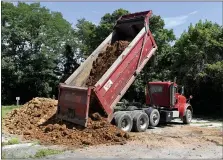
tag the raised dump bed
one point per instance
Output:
(76, 96)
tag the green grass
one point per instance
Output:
(35, 142)
(11, 142)
(7, 109)
(3, 155)
(45, 152)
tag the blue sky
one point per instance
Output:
(177, 15)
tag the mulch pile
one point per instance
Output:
(105, 60)
(36, 120)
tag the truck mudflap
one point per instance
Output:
(73, 104)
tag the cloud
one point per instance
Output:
(171, 22)
(95, 23)
(194, 12)
(95, 12)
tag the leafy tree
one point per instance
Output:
(86, 33)
(70, 62)
(32, 39)
(159, 66)
(90, 35)
(198, 64)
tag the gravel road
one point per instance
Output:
(200, 140)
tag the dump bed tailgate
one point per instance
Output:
(73, 104)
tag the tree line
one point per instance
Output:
(40, 49)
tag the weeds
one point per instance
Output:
(46, 152)
(7, 109)
(11, 142)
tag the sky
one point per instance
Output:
(177, 15)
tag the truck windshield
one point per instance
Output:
(156, 89)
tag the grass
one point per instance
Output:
(45, 152)
(7, 109)
(3, 155)
(35, 142)
(11, 142)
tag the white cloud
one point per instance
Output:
(95, 23)
(95, 12)
(194, 12)
(171, 22)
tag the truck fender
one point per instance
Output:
(187, 106)
(148, 110)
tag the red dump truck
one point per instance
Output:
(163, 102)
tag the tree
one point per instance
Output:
(70, 62)
(159, 67)
(198, 65)
(90, 35)
(86, 33)
(32, 40)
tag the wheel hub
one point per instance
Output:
(125, 125)
(155, 118)
(142, 123)
(189, 116)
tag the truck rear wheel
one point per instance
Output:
(154, 117)
(124, 122)
(140, 122)
(188, 117)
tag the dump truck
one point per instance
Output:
(76, 100)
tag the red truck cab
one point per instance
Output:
(165, 97)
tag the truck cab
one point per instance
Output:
(166, 99)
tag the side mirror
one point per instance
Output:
(182, 90)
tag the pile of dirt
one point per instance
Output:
(37, 120)
(105, 60)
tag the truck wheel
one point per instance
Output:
(140, 122)
(188, 117)
(117, 114)
(132, 108)
(154, 117)
(124, 122)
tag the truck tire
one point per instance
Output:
(117, 114)
(140, 122)
(132, 108)
(188, 117)
(154, 116)
(124, 122)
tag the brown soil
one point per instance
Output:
(36, 120)
(105, 60)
